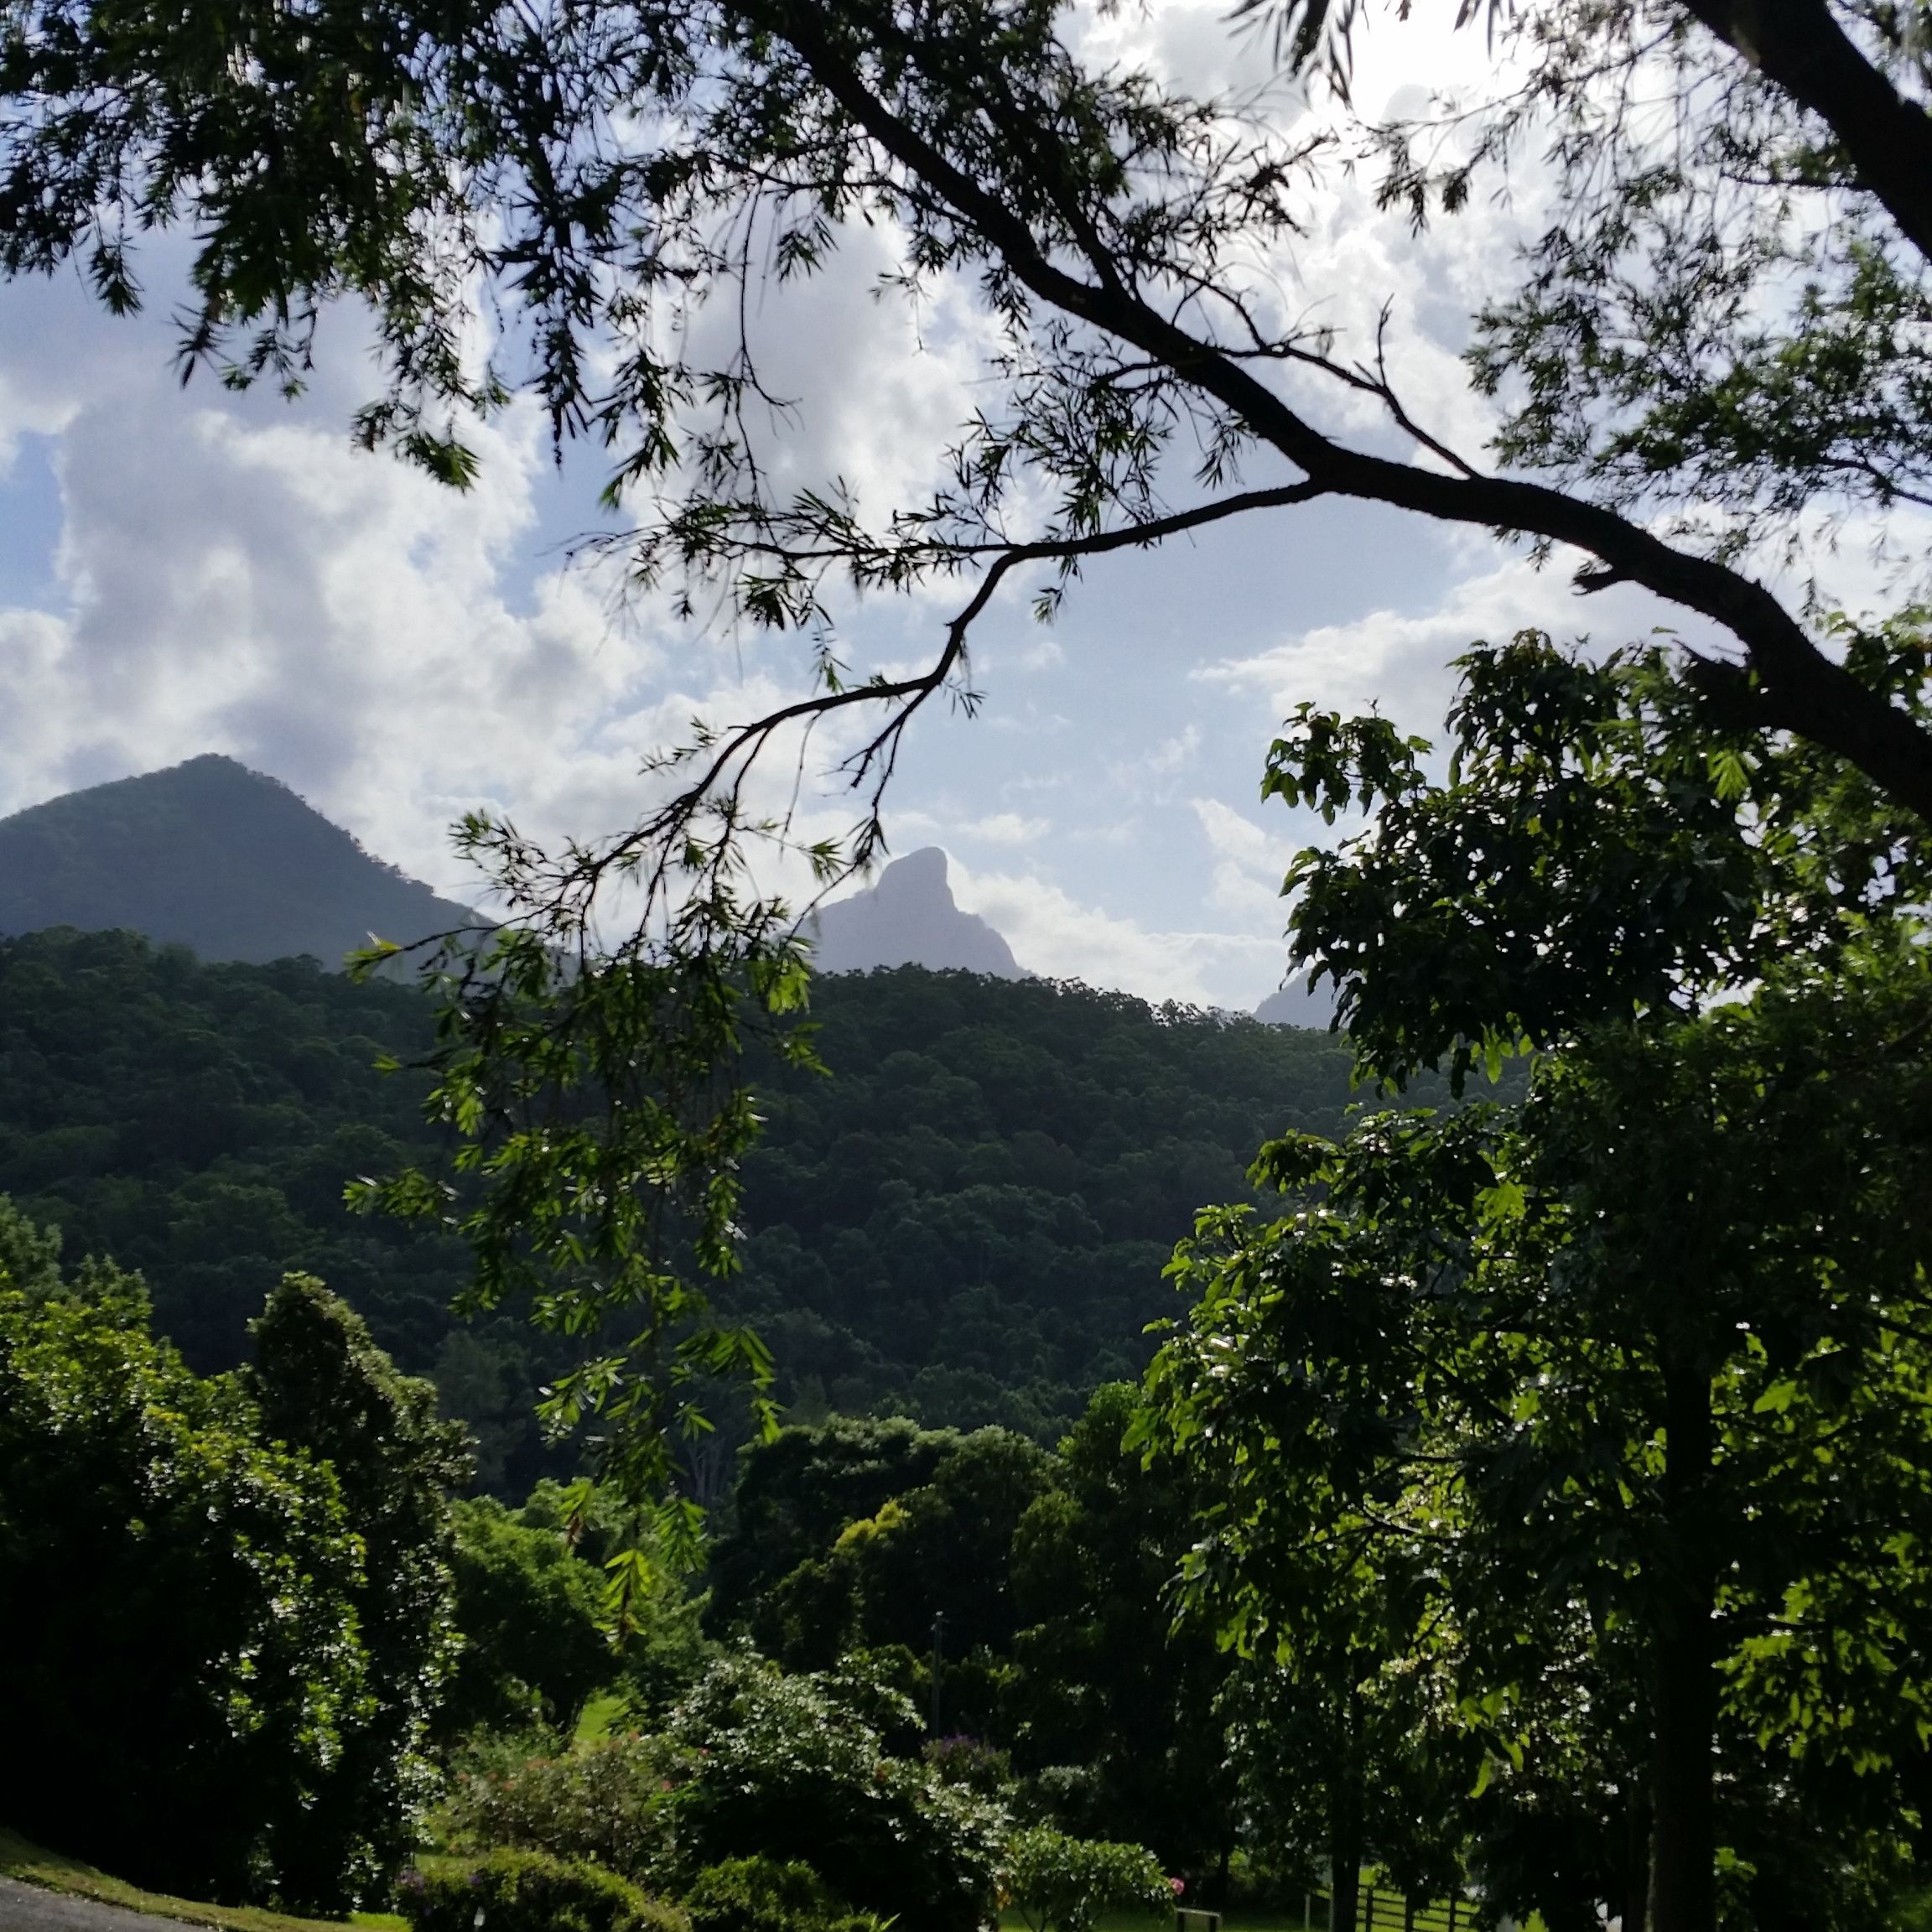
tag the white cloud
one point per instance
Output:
(1054, 934)
(232, 576)
(241, 580)
(1402, 664)
(1175, 753)
(1006, 828)
(1248, 864)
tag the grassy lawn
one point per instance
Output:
(1434, 1917)
(59, 1873)
(1011, 1921)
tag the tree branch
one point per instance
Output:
(742, 745)
(1798, 44)
(1803, 690)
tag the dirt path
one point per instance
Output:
(30, 1908)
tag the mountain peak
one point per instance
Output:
(210, 854)
(909, 918)
(921, 874)
(1298, 1004)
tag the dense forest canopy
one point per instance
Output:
(966, 1222)
(199, 1121)
(969, 1220)
(1558, 1472)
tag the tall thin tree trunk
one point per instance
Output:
(1345, 1881)
(1684, 1677)
(1682, 1833)
(1345, 1807)
(1636, 1863)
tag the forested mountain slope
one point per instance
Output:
(212, 855)
(969, 1220)
(966, 1223)
(198, 1122)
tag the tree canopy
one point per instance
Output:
(224, 1647)
(966, 1224)
(1602, 1417)
(1063, 1678)
(1723, 314)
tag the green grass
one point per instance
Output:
(1432, 1917)
(1011, 1921)
(57, 1872)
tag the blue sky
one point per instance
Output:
(184, 570)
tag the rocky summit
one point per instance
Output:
(909, 918)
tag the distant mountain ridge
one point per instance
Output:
(212, 855)
(1298, 1004)
(235, 864)
(909, 918)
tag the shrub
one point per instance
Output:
(981, 1768)
(530, 1892)
(789, 1770)
(530, 1588)
(527, 1606)
(761, 1895)
(665, 1650)
(609, 1802)
(1062, 1884)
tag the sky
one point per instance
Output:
(183, 570)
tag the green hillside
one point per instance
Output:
(966, 1224)
(198, 1122)
(212, 855)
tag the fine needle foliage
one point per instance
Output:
(595, 1096)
